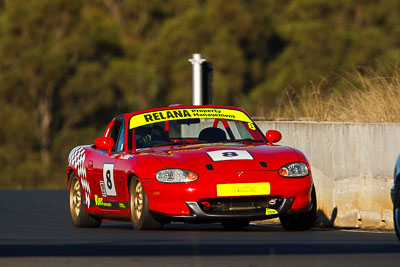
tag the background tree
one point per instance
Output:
(68, 67)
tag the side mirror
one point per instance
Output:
(106, 143)
(273, 136)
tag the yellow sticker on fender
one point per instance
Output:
(270, 212)
(247, 189)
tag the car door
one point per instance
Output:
(102, 170)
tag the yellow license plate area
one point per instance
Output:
(247, 189)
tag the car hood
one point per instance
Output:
(229, 156)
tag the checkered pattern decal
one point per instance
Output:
(76, 159)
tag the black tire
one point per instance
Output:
(78, 214)
(302, 221)
(139, 208)
(396, 213)
(235, 225)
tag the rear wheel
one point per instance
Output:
(396, 213)
(79, 216)
(235, 225)
(303, 221)
(139, 208)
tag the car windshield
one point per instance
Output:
(151, 132)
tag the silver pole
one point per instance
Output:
(197, 96)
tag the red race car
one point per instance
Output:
(200, 164)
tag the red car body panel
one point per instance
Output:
(105, 175)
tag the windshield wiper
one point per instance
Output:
(246, 140)
(182, 142)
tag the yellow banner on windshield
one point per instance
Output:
(187, 113)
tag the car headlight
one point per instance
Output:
(176, 176)
(294, 169)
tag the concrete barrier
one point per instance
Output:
(352, 165)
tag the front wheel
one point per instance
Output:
(139, 208)
(396, 213)
(303, 221)
(79, 216)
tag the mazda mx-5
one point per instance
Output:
(193, 164)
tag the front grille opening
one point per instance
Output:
(239, 205)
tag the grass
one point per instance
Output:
(360, 98)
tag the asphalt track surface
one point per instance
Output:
(35, 230)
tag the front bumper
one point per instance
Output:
(199, 214)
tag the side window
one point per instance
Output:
(121, 139)
(117, 133)
(119, 145)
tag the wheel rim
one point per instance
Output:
(75, 198)
(137, 201)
